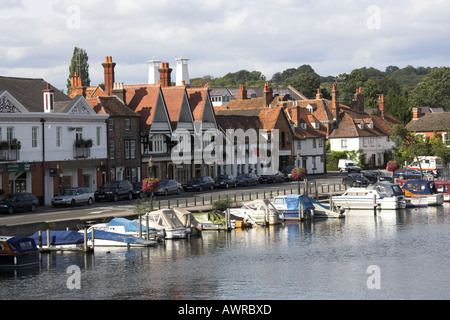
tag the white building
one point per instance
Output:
(62, 140)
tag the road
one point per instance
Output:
(99, 210)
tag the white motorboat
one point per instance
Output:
(166, 221)
(124, 226)
(382, 195)
(294, 206)
(101, 238)
(259, 211)
(422, 193)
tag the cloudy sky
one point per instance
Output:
(220, 36)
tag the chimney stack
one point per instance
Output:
(242, 92)
(319, 94)
(381, 106)
(108, 67)
(182, 72)
(268, 95)
(416, 113)
(49, 96)
(335, 103)
(164, 75)
(359, 97)
(153, 71)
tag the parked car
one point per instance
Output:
(114, 191)
(19, 202)
(247, 179)
(200, 184)
(138, 193)
(273, 177)
(355, 180)
(372, 176)
(73, 196)
(225, 181)
(169, 187)
(287, 172)
(348, 165)
(407, 174)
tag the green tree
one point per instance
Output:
(80, 65)
(306, 84)
(434, 91)
(398, 106)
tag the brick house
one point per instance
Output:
(429, 123)
(163, 109)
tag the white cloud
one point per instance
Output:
(221, 36)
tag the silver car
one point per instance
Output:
(74, 196)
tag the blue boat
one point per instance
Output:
(113, 239)
(422, 193)
(289, 206)
(60, 239)
(18, 252)
(125, 226)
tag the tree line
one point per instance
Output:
(403, 88)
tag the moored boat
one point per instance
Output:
(381, 195)
(167, 222)
(443, 187)
(293, 205)
(18, 252)
(57, 239)
(260, 211)
(422, 193)
(124, 226)
(103, 238)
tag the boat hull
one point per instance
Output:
(19, 260)
(426, 200)
(362, 204)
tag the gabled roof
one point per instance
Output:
(430, 122)
(112, 106)
(29, 92)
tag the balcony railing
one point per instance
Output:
(9, 154)
(81, 152)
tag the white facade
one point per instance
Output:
(372, 147)
(311, 152)
(47, 147)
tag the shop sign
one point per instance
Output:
(19, 167)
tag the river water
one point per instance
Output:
(393, 255)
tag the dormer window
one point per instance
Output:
(310, 108)
(371, 124)
(361, 125)
(303, 125)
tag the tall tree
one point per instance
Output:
(434, 91)
(80, 65)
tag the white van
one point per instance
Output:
(347, 165)
(428, 164)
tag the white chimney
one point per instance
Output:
(49, 99)
(153, 71)
(182, 71)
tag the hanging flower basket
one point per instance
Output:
(298, 173)
(392, 166)
(150, 185)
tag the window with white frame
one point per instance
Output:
(99, 135)
(130, 149)
(79, 133)
(157, 143)
(320, 143)
(446, 139)
(34, 137)
(127, 124)
(58, 136)
(9, 134)
(344, 143)
(112, 149)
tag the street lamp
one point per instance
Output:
(150, 167)
(298, 166)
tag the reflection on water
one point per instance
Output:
(325, 259)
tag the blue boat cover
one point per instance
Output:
(130, 226)
(22, 244)
(59, 237)
(420, 187)
(293, 200)
(119, 237)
